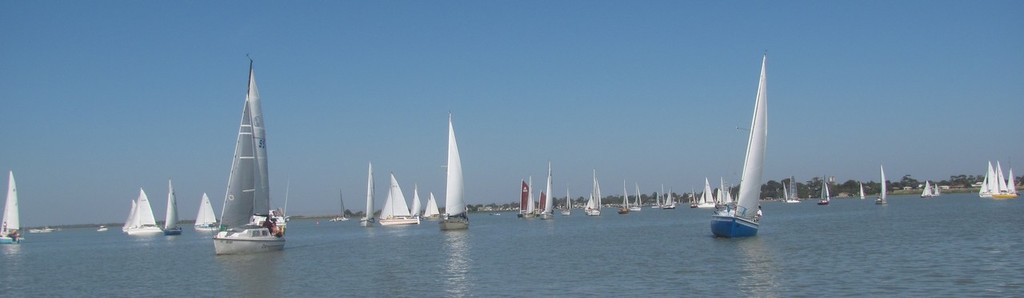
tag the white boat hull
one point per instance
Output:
(150, 230)
(203, 228)
(399, 221)
(593, 212)
(458, 222)
(246, 241)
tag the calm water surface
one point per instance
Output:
(955, 245)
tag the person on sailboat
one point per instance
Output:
(759, 214)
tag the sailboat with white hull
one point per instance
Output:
(206, 219)
(594, 204)
(341, 216)
(368, 219)
(141, 220)
(10, 232)
(396, 211)
(246, 224)
(743, 221)
(431, 213)
(546, 199)
(171, 227)
(455, 217)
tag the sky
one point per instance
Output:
(100, 99)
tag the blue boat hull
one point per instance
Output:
(733, 227)
(7, 240)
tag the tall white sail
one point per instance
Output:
(395, 205)
(369, 193)
(1011, 184)
(431, 207)
(861, 190)
(415, 200)
(171, 216)
(990, 186)
(128, 223)
(549, 205)
(206, 216)
(248, 190)
(1000, 180)
(144, 212)
(530, 209)
(11, 220)
(706, 197)
(453, 200)
(753, 164)
(885, 187)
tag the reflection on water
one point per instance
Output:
(253, 275)
(759, 269)
(457, 264)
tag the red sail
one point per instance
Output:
(522, 200)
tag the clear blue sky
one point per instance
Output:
(101, 98)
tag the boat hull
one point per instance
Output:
(400, 221)
(203, 228)
(244, 242)
(458, 222)
(144, 231)
(593, 212)
(1004, 196)
(733, 227)
(822, 203)
(172, 232)
(9, 240)
(879, 202)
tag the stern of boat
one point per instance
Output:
(728, 226)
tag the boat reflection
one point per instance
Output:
(457, 265)
(760, 270)
(251, 275)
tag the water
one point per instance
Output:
(954, 245)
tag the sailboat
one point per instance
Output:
(206, 219)
(395, 211)
(568, 203)
(1004, 189)
(881, 195)
(744, 220)
(862, 190)
(431, 213)
(455, 217)
(825, 198)
(790, 197)
(594, 204)
(171, 227)
(368, 219)
(526, 200)
(246, 224)
(927, 192)
(131, 217)
(141, 220)
(546, 201)
(706, 200)
(10, 232)
(341, 216)
(416, 207)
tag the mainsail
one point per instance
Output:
(248, 190)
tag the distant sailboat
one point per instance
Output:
(416, 207)
(1003, 188)
(744, 220)
(341, 216)
(171, 227)
(594, 204)
(639, 204)
(246, 224)
(10, 232)
(368, 219)
(624, 209)
(396, 211)
(825, 198)
(206, 219)
(455, 217)
(546, 200)
(706, 200)
(431, 213)
(141, 221)
(568, 203)
(927, 192)
(881, 195)
(790, 197)
(525, 201)
(861, 190)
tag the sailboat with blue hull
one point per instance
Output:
(743, 219)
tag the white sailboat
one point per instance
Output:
(368, 219)
(546, 200)
(639, 204)
(625, 200)
(131, 217)
(142, 221)
(988, 186)
(416, 207)
(927, 192)
(790, 196)
(1005, 189)
(10, 232)
(594, 204)
(455, 217)
(171, 227)
(341, 216)
(881, 195)
(206, 219)
(246, 224)
(670, 202)
(861, 190)
(568, 203)
(825, 197)
(706, 201)
(744, 220)
(396, 211)
(431, 213)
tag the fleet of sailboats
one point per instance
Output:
(744, 219)
(10, 231)
(246, 224)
